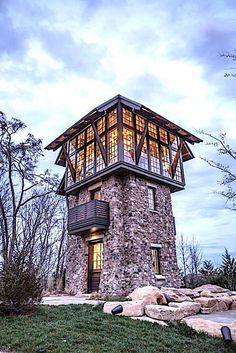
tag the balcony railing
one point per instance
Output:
(88, 217)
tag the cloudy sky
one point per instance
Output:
(60, 59)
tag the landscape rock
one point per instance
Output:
(210, 327)
(151, 295)
(175, 295)
(148, 319)
(191, 293)
(233, 306)
(188, 308)
(212, 288)
(164, 313)
(130, 308)
(210, 305)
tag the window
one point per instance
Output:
(163, 136)
(72, 147)
(127, 117)
(101, 125)
(112, 146)
(165, 157)
(178, 175)
(80, 165)
(89, 159)
(128, 145)
(154, 156)
(81, 139)
(112, 118)
(70, 180)
(96, 194)
(156, 259)
(90, 134)
(143, 160)
(100, 161)
(97, 256)
(140, 123)
(152, 130)
(151, 198)
(174, 141)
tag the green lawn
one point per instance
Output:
(86, 329)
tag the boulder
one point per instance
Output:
(191, 293)
(151, 295)
(130, 308)
(210, 305)
(175, 295)
(211, 288)
(210, 327)
(164, 313)
(233, 306)
(148, 319)
(188, 308)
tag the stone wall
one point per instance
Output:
(133, 227)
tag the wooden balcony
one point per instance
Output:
(88, 217)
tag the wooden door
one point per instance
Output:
(95, 262)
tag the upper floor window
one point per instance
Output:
(112, 118)
(127, 117)
(151, 198)
(96, 194)
(129, 147)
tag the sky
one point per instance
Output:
(60, 59)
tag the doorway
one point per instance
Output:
(95, 263)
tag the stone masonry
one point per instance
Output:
(133, 228)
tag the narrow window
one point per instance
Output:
(165, 158)
(127, 117)
(72, 146)
(96, 194)
(152, 130)
(143, 160)
(101, 125)
(156, 260)
(89, 159)
(90, 134)
(112, 118)
(140, 123)
(151, 198)
(70, 180)
(81, 139)
(112, 146)
(163, 136)
(100, 161)
(154, 156)
(80, 165)
(128, 145)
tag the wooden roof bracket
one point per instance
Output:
(72, 169)
(141, 142)
(176, 159)
(102, 149)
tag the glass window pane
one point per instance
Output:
(69, 175)
(173, 141)
(143, 160)
(89, 159)
(81, 139)
(163, 136)
(127, 117)
(152, 130)
(165, 161)
(178, 175)
(129, 155)
(112, 118)
(90, 134)
(101, 125)
(80, 165)
(151, 198)
(154, 156)
(112, 146)
(72, 146)
(97, 256)
(140, 123)
(100, 161)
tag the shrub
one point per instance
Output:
(20, 287)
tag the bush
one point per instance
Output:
(20, 287)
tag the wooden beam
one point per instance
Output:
(102, 149)
(141, 142)
(176, 159)
(72, 169)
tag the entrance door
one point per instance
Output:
(95, 261)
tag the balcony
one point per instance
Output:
(88, 217)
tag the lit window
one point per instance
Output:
(100, 161)
(156, 260)
(154, 156)
(140, 123)
(70, 180)
(128, 145)
(72, 145)
(96, 194)
(90, 134)
(81, 139)
(173, 141)
(112, 146)
(163, 136)
(97, 256)
(112, 118)
(80, 165)
(178, 175)
(165, 161)
(151, 198)
(89, 159)
(101, 125)
(127, 117)
(152, 130)
(143, 160)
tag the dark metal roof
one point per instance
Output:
(136, 107)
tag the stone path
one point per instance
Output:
(226, 317)
(69, 299)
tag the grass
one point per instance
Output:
(86, 329)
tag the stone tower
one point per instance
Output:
(122, 162)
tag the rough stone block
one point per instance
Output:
(151, 295)
(212, 288)
(188, 308)
(130, 308)
(164, 313)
